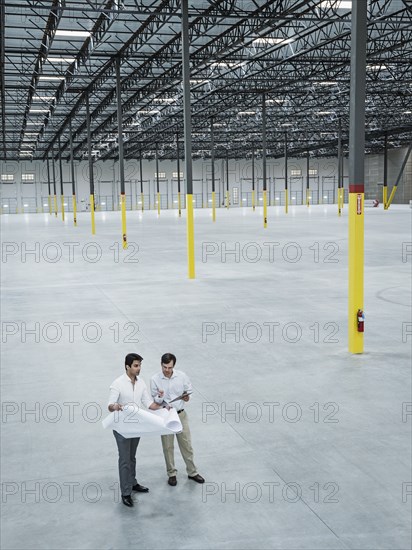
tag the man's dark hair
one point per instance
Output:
(167, 357)
(130, 357)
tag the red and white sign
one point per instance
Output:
(359, 204)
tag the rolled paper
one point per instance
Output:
(134, 421)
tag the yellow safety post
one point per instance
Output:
(339, 202)
(123, 205)
(265, 209)
(190, 237)
(49, 200)
(227, 199)
(179, 204)
(213, 206)
(391, 196)
(62, 199)
(307, 198)
(253, 200)
(92, 214)
(158, 204)
(286, 201)
(385, 197)
(356, 267)
(74, 211)
(55, 205)
(142, 200)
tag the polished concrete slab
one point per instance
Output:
(302, 445)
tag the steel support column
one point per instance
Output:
(264, 175)
(357, 173)
(187, 120)
(121, 154)
(89, 154)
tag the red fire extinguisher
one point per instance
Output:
(361, 320)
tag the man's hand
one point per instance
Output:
(160, 393)
(186, 398)
(115, 407)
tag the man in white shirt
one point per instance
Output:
(129, 389)
(166, 386)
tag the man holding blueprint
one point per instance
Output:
(129, 389)
(173, 387)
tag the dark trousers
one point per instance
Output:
(127, 462)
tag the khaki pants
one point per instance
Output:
(185, 446)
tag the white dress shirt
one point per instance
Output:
(123, 391)
(173, 387)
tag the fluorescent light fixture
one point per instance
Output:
(45, 204)
(276, 40)
(327, 83)
(218, 124)
(287, 124)
(243, 199)
(61, 59)
(261, 199)
(174, 202)
(38, 111)
(325, 196)
(79, 34)
(293, 198)
(43, 97)
(277, 198)
(377, 67)
(241, 113)
(5, 205)
(25, 205)
(272, 101)
(407, 112)
(164, 100)
(104, 204)
(320, 113)
(337, 4)
(152, 112)
(50, 77)
(65, 204)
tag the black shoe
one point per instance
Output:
(127, 500)
(172, 481)
(197, 478)
(140, 489)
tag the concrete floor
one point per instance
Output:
(303, 446)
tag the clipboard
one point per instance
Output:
(181, 396)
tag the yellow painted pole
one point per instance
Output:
(142, 200)
(123, 204)
(55, 205)
(385, 197)
(307, 198)
(158, 204)
(227, 199)
(74, 211)
(394, 188)
(356, 268)
(286, 201)
(339, 202)
(213, 206)
(92, 214)
(62, 199)
(253, 200)
(50, 205)
(265, 209)
(190, 237)
(179, 204)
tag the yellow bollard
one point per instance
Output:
(74, 211)
(385, 197)
(179, 204)
(142, 200)
(265, 209)
(286, 201)
(356, 269)
(62, 199)
(213, 206)
(190, 237)
(158, 204)
(253, 200)
(123, 205)
(92, 214)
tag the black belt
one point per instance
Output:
(181, 410)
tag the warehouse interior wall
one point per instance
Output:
(20, 194)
